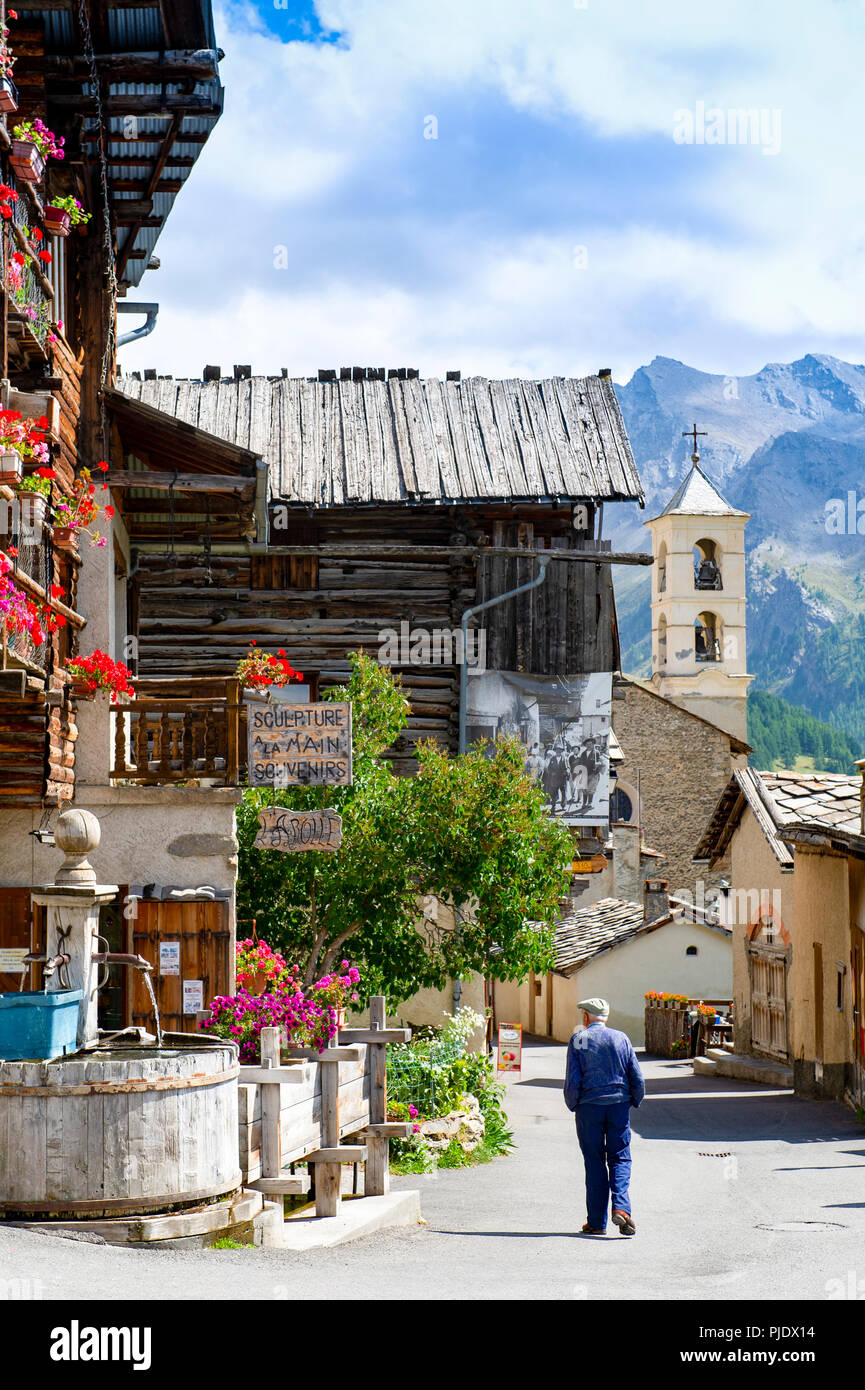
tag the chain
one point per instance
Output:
(108, 240)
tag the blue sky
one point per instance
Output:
(554, 224)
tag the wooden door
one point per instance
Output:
(15, 930)
(858, 964)
(768, 970)
(200, 930)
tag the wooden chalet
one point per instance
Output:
(364, 500)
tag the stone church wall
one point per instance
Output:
(681, 766)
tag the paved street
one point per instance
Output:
(739, 1192)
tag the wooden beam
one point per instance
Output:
(91, 137)
(181, 482)
(136, 185)
(141, 104)
(172, 66)
(339, 1153)
(442, 552)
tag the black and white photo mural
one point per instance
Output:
(564, 725)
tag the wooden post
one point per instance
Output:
(328, 1176)
(377, 1174)
(271, 1104)
(232, 732)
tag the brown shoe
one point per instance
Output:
(592, 1230)
(625, 1223)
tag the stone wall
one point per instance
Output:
(681, 766)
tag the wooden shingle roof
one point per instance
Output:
(349, 443)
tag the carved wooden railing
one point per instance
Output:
(177, 739)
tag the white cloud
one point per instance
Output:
(321, 147)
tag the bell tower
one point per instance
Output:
(698, 602)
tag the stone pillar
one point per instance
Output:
(72, 906)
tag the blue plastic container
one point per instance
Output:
(35, 1026)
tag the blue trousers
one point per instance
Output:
(604, 1132)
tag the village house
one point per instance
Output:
(794, 908)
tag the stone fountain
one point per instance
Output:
(126, 1125)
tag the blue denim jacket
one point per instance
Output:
(602, 1069)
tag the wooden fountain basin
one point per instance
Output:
(124, 1132)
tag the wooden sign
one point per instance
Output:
(510, 1051)
(299, 745)
(298, 830)
(594, 865)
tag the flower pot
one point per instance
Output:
(340, 1018)
(66, 539)
(79, 689)
(257, 983)
(8, 94)
(57, 221)
(11, 470)
(27, 161)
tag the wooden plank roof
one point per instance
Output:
(362, 441)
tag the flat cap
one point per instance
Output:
(598, 1007)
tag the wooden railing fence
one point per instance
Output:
(322, 1113)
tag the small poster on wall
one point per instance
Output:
(510, 1052)
(193, 996)
(169, 957)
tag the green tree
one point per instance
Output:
(471, 830)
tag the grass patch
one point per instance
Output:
(228, 1243)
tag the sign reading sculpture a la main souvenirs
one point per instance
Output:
(299, 745)
(298, 830)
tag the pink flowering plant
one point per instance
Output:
(256, 959)
(49, 145)
(306, 1017)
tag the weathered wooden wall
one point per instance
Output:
(300, 1114)
(319, 609)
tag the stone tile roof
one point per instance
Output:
(779, 799)
(370, 439)
(697, 496)
(587, 931)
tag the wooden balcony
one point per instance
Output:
(178, 731)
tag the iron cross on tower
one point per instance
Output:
(692, 433)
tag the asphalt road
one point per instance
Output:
(739, 1192)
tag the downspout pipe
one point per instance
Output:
(469, 613)
(149, 310)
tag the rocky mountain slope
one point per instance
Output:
(787, 445)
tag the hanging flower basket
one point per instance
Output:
(8, 94)
(27, 161)
(57, 221)
(11, 468)
(257, 983)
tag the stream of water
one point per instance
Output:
(149, 983)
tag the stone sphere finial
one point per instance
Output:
(76, 832)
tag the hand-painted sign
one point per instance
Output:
(510, 1053)
(298, 830)
(299, 745)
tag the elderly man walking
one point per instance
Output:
(603, 1080)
